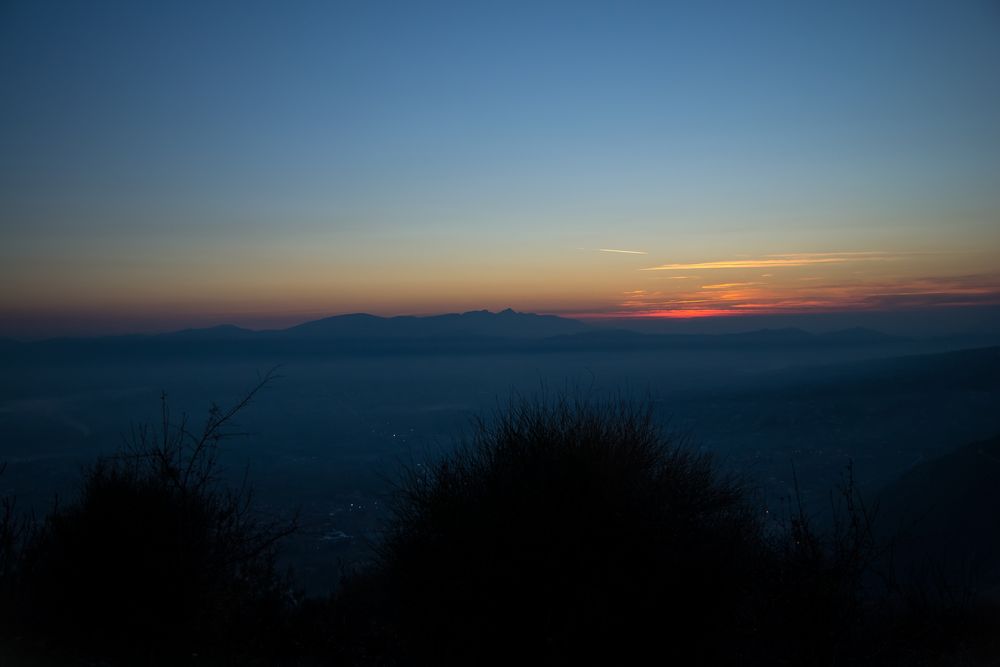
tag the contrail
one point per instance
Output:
(624, 252)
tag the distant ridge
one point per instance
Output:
(860, 335)
(761, 338)
(504, 324)
(220, 332)
(511, 324)
(473, 331)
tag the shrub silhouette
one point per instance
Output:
(158, 557)
(15, 530)
(569, 532)
(562, 532)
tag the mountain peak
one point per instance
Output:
(507, 323)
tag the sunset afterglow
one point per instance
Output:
(524, 332)
(652, 161)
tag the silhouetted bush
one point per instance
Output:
(572, 532)
(158, 557)
(569, 532)
(561, 533)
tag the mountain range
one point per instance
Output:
(474, 331)
(505, 324)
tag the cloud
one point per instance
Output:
(944, 297)
(778, 261)
(727, 285)
(798, 297)
(851, 254)
(741, 264)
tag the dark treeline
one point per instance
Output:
(561, 532)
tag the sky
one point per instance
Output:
(176, 164)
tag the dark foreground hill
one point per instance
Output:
(562, 532)
(571, 534)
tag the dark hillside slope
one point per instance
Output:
(945, 514)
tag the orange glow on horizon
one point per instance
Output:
(686, 314)
(573, 285)
(680, 314)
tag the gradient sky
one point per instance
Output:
(189, 163)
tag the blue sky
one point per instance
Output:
(192, 162)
